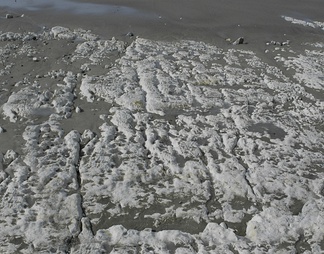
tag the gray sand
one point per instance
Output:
(208, 20)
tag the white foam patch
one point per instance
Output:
(267, 226)
(308, 67)
(199, 149)
(309, 23)
(98, 50)
(24, 103)
(36, 100)
(59, 32)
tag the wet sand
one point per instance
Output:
(208, 20)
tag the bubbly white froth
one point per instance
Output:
(198, 148)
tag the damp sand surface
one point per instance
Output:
(172, 20)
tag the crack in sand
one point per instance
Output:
(79, 191)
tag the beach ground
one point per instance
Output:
(141, 126)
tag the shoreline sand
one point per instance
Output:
(208, 21)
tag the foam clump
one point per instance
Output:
(59, 32)
(62, 33)
(39, 101)
(306, 22)
(25, 103)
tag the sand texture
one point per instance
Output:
(135, 144)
